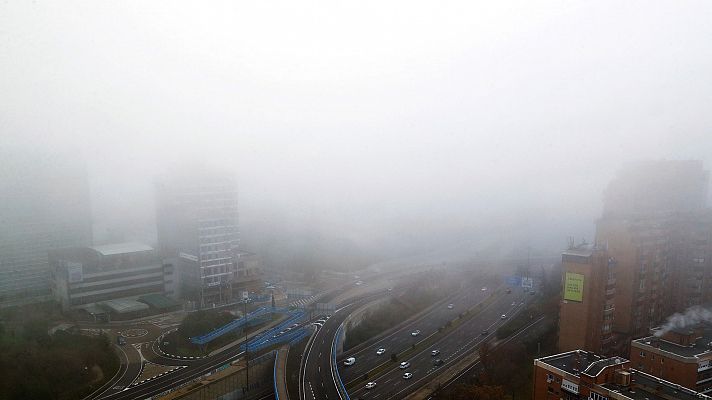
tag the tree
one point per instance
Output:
(36, 331)
(480, 392)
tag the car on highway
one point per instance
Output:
(484, 288)
(415, 332)
(380, 351)
(485, 332)
(407, 375)
(404, 365)
(450, 306)
(438, 362)
(435, 352)
(350, 361)
(504, 316)
(509, 291)
(370, 385)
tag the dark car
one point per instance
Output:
(438, 362)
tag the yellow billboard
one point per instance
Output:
(573, 287)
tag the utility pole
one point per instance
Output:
(247, 349)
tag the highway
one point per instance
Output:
(401, 339)
(316, 379)
(462, 340)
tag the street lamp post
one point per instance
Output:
(247, 350)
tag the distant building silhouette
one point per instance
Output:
(197, 221)
(44, 205)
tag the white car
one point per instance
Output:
(404, 365)
(370, 385)
(450, 306)
(484, 289)
(380, 351)
(415, 332)
(350, 361)
(407, 375)
(434, 353)
(504, 316)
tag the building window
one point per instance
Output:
(642, 354)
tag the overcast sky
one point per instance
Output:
(358, 114)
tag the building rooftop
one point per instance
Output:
(122, 306)
(701, 343)
(159, 301)
(121, 248)
(648, 387)
(582, 250)
(577, 361)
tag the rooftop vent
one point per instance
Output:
(622, 378)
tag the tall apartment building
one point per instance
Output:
(690, 253)
(640, 246)
(579, 375)
(682, 355)
(44, 205)
(197, 221)
(657, 227)
(653, 187)
(86, 275)
(586, 311)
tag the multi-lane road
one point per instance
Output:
(452, 346)
(402, 338)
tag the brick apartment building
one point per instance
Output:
(579, 375)
(679, 355)
(657, 228)
(588, 304)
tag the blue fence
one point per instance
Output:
(274, 335)
(261, 313)
(274, 377)
(335, 365)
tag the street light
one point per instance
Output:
(247, 349)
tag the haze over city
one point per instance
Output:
(366, 121)
(339, 136)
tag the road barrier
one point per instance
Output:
(335, 367)
(273, 336)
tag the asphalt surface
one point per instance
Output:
(464, 339)
(317, 381)
(402, 338)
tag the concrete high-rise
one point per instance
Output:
(44, 205)
(197, 221)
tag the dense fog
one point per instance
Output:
(361, 131)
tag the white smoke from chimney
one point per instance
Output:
(692, 316)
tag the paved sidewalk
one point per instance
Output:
(280, 376)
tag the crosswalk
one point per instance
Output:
(301, 303)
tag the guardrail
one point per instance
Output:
(236, 324)
(272, 337)
(274, 375)
(335, 367)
